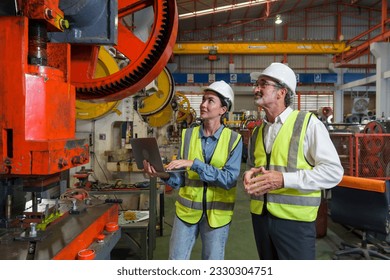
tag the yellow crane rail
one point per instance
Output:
(304, 47)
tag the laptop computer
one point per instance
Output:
(147, 148)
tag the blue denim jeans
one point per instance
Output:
(184, 235)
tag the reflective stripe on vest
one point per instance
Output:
(219, 202)
(286, 203)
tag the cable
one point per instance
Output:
(101, 168)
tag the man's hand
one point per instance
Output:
(258, 181)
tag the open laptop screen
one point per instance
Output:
(146, 148)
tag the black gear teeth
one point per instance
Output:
(131, 78)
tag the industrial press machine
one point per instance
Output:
(48, 53)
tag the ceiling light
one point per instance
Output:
(278, 19)
(224, 8)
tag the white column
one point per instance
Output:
(381, 52)
(338, 97)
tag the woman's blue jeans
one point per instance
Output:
(184, 235)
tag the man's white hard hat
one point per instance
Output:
(279, 72)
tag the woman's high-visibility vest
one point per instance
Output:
(197, 196)
(287, 155)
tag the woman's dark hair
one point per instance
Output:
(225, 101)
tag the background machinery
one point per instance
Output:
(49, 51)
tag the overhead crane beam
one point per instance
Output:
(361, 49)
(262, 48)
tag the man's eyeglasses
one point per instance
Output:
(264, 84)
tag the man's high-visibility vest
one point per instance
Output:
(287, 155)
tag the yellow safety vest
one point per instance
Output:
(197, 196)
(287, 155)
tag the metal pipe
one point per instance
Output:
(8, 207)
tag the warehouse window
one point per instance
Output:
(313, 101)
(195, 100)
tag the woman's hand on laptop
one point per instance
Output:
(149, 169)
(179, 164)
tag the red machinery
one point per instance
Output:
(48, 51)
(365, 154)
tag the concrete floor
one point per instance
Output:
(241, 244)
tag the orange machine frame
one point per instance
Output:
(37, 111)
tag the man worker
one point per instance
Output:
(291, 158)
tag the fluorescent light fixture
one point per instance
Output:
(278, 19)
(224, 8)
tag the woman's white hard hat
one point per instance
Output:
(223, 89)
(279, 72)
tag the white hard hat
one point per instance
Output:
(223, 89)
(280, 72)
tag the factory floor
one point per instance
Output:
(241, 243)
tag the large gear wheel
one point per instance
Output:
(159, 95)
(147, 33)
(183, 107)
(155, 108)
(90, 111)
(373, 142)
